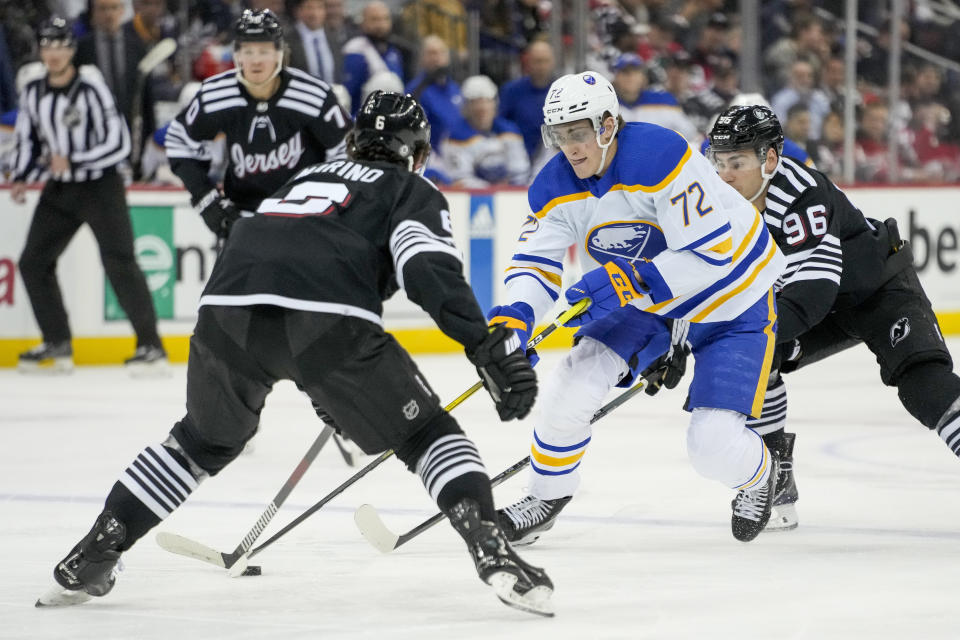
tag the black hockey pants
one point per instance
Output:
(62, 209)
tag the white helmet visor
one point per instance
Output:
(561, 135)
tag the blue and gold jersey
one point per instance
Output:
(701, 247)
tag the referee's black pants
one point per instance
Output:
(62, 208)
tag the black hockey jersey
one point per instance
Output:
(268, 142)
(836, 257)
(340, 238)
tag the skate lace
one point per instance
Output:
(528, 512)
(750, 505)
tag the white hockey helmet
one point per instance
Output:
(578, 96)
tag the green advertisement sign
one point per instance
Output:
(153, 246)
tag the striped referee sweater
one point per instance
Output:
(836, 257)
(268, 141)
(79, 121)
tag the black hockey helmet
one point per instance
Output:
(55, 29)
(391, 127)
(747, 127)
(260, 25)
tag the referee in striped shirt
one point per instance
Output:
(70, 133)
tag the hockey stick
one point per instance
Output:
(371, 525)
(237, 561)
(187, 547)
(160, 52)
(562, 319)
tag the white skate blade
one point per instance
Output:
(51, 367)
(783, 518)
(57, 596)
(373, 529)
(155, 369)
(536, 601)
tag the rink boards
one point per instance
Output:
(176, 252)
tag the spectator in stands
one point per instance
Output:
(114, 47)
(872, 149)
(640, 103)
(659, 43)
(797, 125)
(827, 152)
(446, 19)
(806, 42)
(310, 42)
(436, 90)
(712, 51)
(873, 66)
(371, 52)
(833, 81)
(484, 150)
(802, 88)
(939, 159)
(152, 22)
(521, 100)
(386, 81)
(340, 26)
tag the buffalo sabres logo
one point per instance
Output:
(589, 79)
(898, 331)
(411, 410)
(635, 240)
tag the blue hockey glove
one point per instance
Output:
(610, 287)
(519, 317)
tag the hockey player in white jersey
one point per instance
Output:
(662, 241)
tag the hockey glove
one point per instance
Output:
(519, 317)
(668, 369)
(218, 213)
(506, 373)
(610, 287)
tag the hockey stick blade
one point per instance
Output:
(380, 536)
(193, 549)
(572, 312)
(160, 52)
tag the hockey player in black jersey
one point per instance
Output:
(277, 120)
(297, 294)
(849, 279)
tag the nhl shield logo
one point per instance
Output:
(898, 331)
(411, 410)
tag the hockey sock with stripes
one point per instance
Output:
(156, 482)
(949, 427)
(451, 469)
(773, 416)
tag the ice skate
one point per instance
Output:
(751, 509)
(523, 522)
(91, 567)
(47, 357)
(516, 583)
(147, 362)
(784, 514)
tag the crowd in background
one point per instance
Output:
(673, 62)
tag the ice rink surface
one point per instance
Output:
(644, 551)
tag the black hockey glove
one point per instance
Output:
(218, 213)
(668, 369)
(506, 372)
